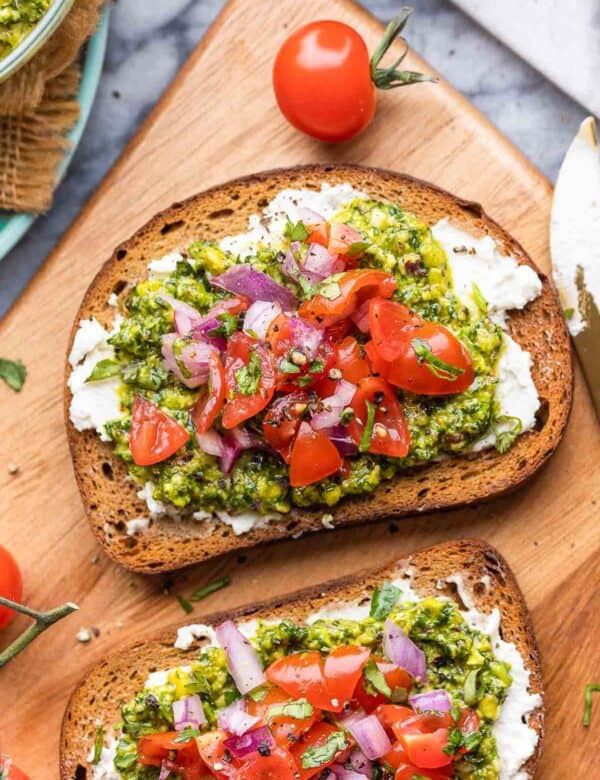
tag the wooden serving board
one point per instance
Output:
(217, 121)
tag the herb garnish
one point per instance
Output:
(295, 232)
(228, 326)
(438, 367)
(298, 709)
(376, 678)
(569, 313)
(383, 600)
(104, 369)
(457, 740)
(248, 377)
(288, 367)
(479, 298)
(186, 734)
(13, 372)
(212, 587)
(318, 755)
(470, 688)
(185, 604)
(330, 288)
(357, 248)
(367, 434)
(587, 712)
(98, 745)
(505, 439)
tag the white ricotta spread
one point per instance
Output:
(93, 403)
(137, 525)
(187, 634)
(163, 267)
(575, 225)
(105, 768)
(246, 521)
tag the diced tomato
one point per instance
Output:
(279, 764)
(14, 773)
(215, 756)
(341, 238)
(351, 360)
(390, 714)
(154, 748)
(424, 738)
(341, 295)
(282, 421)
(409, 771)
(316, 737)
(468, 721)
(379, 424)
(154, 436)
(336, 332)
(301, 676)
(286, 730)
(305, 376)
(318, 232)
(314, 457)
(442, 365)
(211, 400)
(249, 378)
(342, 671)
(395, 677)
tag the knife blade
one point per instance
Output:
(575, 248)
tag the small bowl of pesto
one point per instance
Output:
(25, 26)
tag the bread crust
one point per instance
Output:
(110, 498)
(109, 684)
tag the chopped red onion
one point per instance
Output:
(188, 712)
(320, 263)
(361, 317)
(343, 441)
(242, 659)
(235, 719)
(305, 337)
(403, 652)
(437, 700)
(194, 357)
(256, 285)
(227, 447)
(371, 737)
(340, 772)
(360, 763)
(231, 452)
(249, 742)
(245, 439)
(171, 364)
(211, 443)
(185, 316)
(310, 218)
(334, 405)
(346, 717)
(259, 316)
(290, 265)
(166, 768)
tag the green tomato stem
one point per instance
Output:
(391, 77)
(43, 620)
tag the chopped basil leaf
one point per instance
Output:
(470, 688)
(454, 742)
(347, 415)
(258, 694)
(104, 369)
(505, 439)
(458, 740)
(212, 587)
(479, 299)
(298, 709)
(316, 367)
(384, 600)
(13, 372)
(357, 248)
(98, 745)
(248, 377)
(376, 679)
(436, 365)
(318, 755)
(330, 288)
(296, 232)
(367, 434)
(185, 604)
(288, 367)
(587, 712)
(569, 313)
(186, 734)
(229, 325)
(304, 381)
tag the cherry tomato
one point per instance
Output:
(390, 714)
(316, 737)
(215, 756)
(318, 231)
(301, 676)
(154, 436)
(14, 773)
(286, 730)
(282, 421)
(11, 585)
(351, 361)
(341, 238)
(424, 738)
(443, 365)
(468, 721)
(343, 293)
(278, 765)
(154, 748)
(406, 771)
(395, 677)
(305, 376)
(314, 456)
(211, 400)
(342, 671)
(249, 379)
(389, 434)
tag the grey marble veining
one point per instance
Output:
(150, 40)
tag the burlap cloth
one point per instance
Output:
(38, 105)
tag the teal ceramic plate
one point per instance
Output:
(14, 226)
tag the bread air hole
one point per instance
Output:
(172, 227)
(220, 214)
(121, 254)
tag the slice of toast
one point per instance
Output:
(486, 577)
(110, 498)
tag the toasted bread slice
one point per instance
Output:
(110, 498)
(486, 577)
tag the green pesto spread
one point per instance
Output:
(17, 20)
(460, 660)
(192, 480)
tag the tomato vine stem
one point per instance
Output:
(391, 77)
(43, 620)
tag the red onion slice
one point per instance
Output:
(211, 443)
(334, 405)
(340, 772)
(188, 712)
(343, 441)
(371, 737)
(360, 763)
(166, 768)
(242, 659)
(245, 280)
(310, 218)
(259, 317)
(171, 364)
(437, 700)
(194, 357)
(184, 315)
(321, 263)
(403, 652)
(235, 719)
(249, 742)
(305, 337)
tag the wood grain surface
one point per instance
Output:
(218, 121)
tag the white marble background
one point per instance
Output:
(154, 37)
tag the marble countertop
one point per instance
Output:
(155, 38)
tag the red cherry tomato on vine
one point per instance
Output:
(325, 82)
(11, 585)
